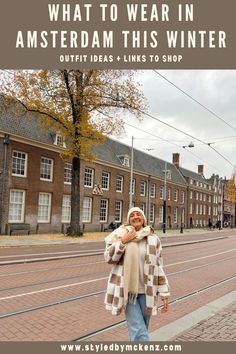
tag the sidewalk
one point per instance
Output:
(44, 239)
(215, 321)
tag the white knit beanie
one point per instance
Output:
(140, 211)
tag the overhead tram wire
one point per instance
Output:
(182, 132)
(187, 134)
(171, 142)
(196, 101)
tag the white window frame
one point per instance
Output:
(48, 206)
(67, 173)
(22, 211)
(105, 180)
(191, 209)
(51, 169)
(118, 210)
(119, 183)
(88, 177)
(143, 207)
(133, 186)
(161, 213)
(176, 195)
(25, 164)
(102, 208)
(151, 213)
(143, 186)
(87, 210)
(182, 197)
(175, 215)
(168, 193)
(126, 161)
(161, 192)
(66, 208)
(152, 190)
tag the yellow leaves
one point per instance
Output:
(82, 105)
(231, 190)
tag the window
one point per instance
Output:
(204, 209)
(143, 207)
(59, 141)
(169, 193)
(124, 159)
(200, 209)
(197, 183)
(67, 173)
(19, 163)
(119, 183)
(105, 180)
(191, 195)
(118, 210)
(175, 215)
(182, 197)
(133, 186)
(175, 195)
(191, 181)
(197, 208)
(151, 213)
(16, 206)
(143, 188)
(200, 196)
(191, 209)
(209, 210)
(161, 214)
(197, 196)
(209, 198)
(161, 192)
(46, 169)
(87, 209)
(103, 210)
(88, 177)
(152, 190)
(44, 207)
(66, 209)
(204, 197)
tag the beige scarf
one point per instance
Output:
(131, 265)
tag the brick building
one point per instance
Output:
(35, 183)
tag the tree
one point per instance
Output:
(82, 105)
(231, 189)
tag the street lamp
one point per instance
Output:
(131, 174)
(164, 201)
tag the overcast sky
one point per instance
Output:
(214, 89)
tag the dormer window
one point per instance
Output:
(125, 160)
(59, 141)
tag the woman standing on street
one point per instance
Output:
(137, 275)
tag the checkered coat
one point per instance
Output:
(155, 280)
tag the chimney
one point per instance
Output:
(175, 159)
(201, 169)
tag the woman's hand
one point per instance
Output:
(129, 236)
(165, 305)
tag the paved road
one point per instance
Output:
(63, 299)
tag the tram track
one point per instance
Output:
(172, 302)
(105, 272)
(84, 296)
(81, 253)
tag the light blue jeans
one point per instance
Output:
(137, 319)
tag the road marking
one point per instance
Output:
(94, 280)
(199, 258)
(50, 289)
